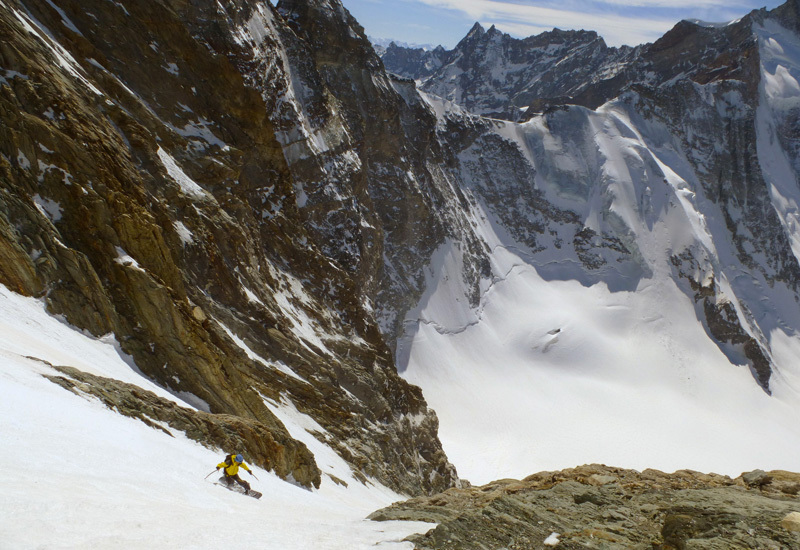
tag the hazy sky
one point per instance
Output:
(618, 21)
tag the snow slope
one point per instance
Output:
(556, 375)
(79, 475)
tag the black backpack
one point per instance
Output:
(229, 460)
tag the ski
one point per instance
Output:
(236, 488)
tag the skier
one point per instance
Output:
(231, 469)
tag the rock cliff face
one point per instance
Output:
(182, 175)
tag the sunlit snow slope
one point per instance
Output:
(556, 368)
(555, 374)
(79, 475)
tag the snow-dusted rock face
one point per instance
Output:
(184, 177)
(588, 187)
(647, 244)
(493, 74)
(382, 218)
(414, 63)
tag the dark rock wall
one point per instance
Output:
(146, 193)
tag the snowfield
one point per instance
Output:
(78, 475)
(555, 374)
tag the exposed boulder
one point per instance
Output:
(791, 522)
(756, 478)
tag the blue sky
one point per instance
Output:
(618, 21)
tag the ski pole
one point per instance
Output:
(210, 474)
(254, 475)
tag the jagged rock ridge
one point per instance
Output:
(493, 74)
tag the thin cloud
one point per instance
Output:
(476, 8)
(524, 20)
(614, 35)
(671, 4)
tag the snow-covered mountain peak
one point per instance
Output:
(476, 31)
(708, 24)
(491, 73)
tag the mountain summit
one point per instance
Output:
(493, 74)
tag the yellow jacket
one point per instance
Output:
(233, 468)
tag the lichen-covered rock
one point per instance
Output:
(637, 510)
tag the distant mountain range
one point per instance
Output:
(380, 44)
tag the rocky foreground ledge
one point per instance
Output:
(600, 507)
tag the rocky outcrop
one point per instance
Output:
(269, 447)
(601, 507)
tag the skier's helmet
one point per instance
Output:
(239, 458)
